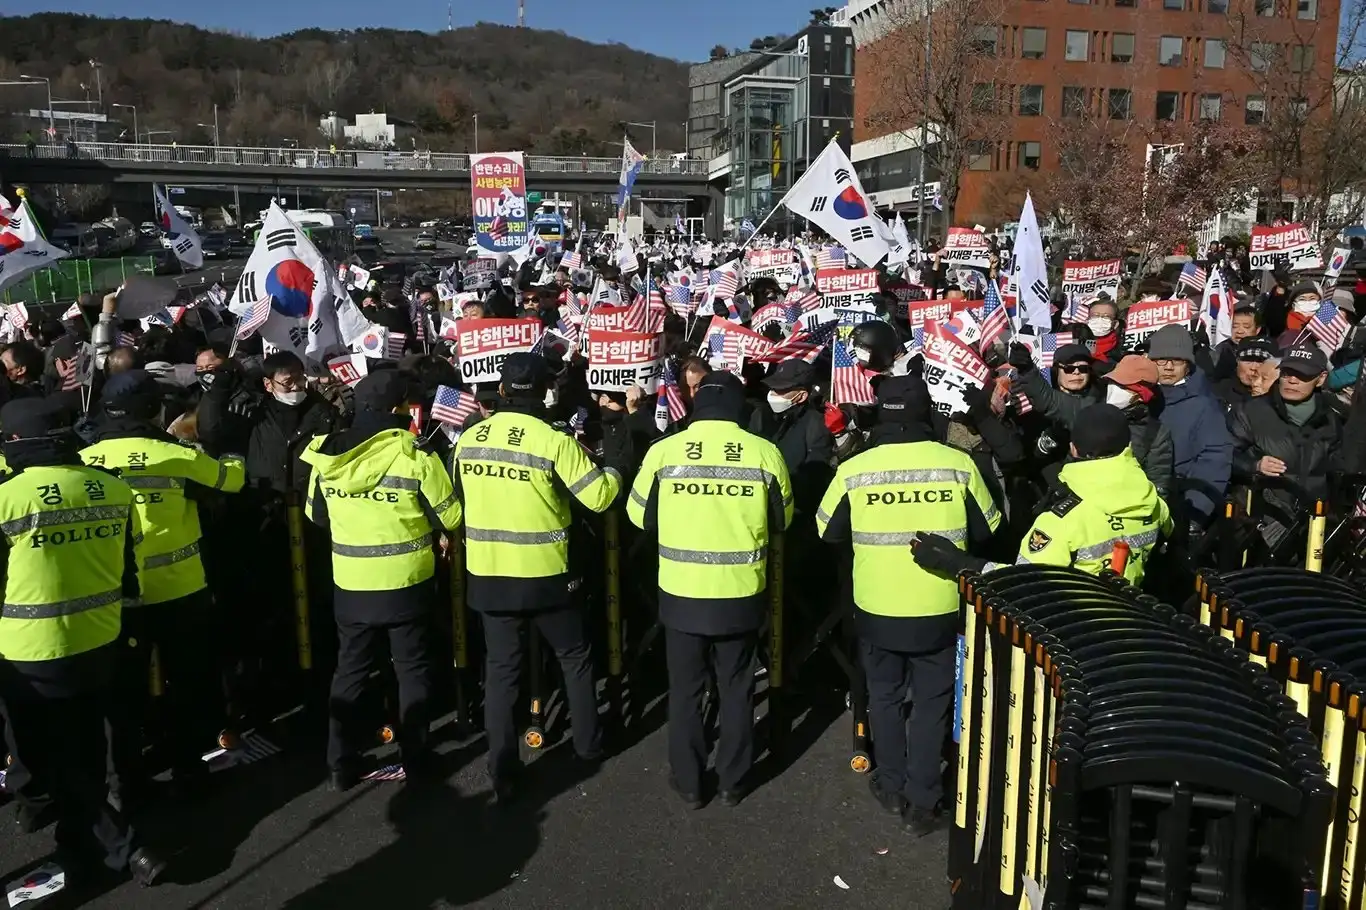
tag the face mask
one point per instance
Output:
(1305, 306)
(1118, 396)
(863, 355)
(1101, 325)
(293, 399)
(778, 403)
(552, 397)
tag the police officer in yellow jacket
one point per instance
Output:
(68, 532)
(383, 500)
(1105, 499)
(906, 484)
(175, 611)
(516, 475)
(715, 494)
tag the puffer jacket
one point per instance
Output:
(1201, 444)
(1261, 427)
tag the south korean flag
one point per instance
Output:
(185, 243)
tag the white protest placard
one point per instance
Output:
(619, 360)
(483, 345)
(1290, 241)
(950, 367)
(964, 246)
(349, 368)
(1087, 278)
(480, 274)
(775, 264)
(1147, 316)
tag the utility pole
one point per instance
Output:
(521, 13)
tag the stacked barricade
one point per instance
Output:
(1309, 632)
(1115, 754)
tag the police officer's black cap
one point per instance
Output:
(524, 375)
(382, 391)
(130, 392)
(790, 375)
(32, 418)
(1254, 350)
(903, 399)
(1101, 431)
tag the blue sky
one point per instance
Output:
(643, 25)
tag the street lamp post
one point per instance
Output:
(476, 134)
(134, 109)
(99, 81)
(651, 125)
(51, 121)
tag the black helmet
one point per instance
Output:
(878, 340)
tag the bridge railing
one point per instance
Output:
(342, 158)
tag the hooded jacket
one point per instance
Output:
(1201, 443)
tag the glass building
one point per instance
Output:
(776, 116)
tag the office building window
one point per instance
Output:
(1033, 42)
(984, 40)
(1121, 47)
(1078, 47)
(1266, 8)
(1128, 3)
(1260, 56)
(1214, 54)
(1307, 9)
(1254, 110)
(983, 97)
(1174, 4)
(1168, 106)
(1031, 100)
(980, 155)
(1031, 154)
(1219, 7)
(1076, 101)
(1301, 58)
(1169, 50)
(1120, 103)
(1211, 107)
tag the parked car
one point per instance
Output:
(215, 245)
(425, 241)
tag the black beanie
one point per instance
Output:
(1101, 431)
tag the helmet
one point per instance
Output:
(875, 344)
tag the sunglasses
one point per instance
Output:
(1073, 368)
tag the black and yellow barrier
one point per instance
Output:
(298, 579)
(1309, 633)
(1113, 754)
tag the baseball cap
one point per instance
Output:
(1133, 369)
(1072, 353)
(791, 374)
(903, 399)
(524, 375)
(1254, 350)
(1304, 360)
(382, 391)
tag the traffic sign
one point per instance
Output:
(534, 198)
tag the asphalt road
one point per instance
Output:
(273, 836)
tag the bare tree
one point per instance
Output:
(941, 68)
(1308, 111)
(1123, 185)
(327, 78)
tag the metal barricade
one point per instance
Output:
(1113, 754)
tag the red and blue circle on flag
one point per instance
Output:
(290, 284)
(849, 205)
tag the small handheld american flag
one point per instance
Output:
(849, 381)
(260, 312)
(831, 257)
(995, 319)
(453, 406)
(669, 407)
(1329, 325)
(571, 260)
(1193, 276)
(801, 345)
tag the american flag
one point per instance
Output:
(995, 319)
(394, 345)
(724, 282)
(260, 312)
(578, 421)
(417, 315)
(680, 299)
(724, 348)
(66, 369)
(773, 314)
(1329, 325)
(453, 406)
(388, 772)
(571, 260)
(128, 339)
(831, 257)
(805, 300)
(848, 379)
(1049, 342)
(1193, 276)
(669, 407)
(801, 345)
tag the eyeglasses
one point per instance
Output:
(289, 383)
(1074, 368)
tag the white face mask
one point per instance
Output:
(1118, 396)
(778, 403)
(293, 399)
(1305, 306)
(863, 355)
(1100, 326)
(552, 397)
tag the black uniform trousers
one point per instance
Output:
(362, 644)
(563, 629)
(182, 632)
(57, 713)
(732, 658)
(21, 782)
(908, 743)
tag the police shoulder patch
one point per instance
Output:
(1066, 504)
(1038, 540)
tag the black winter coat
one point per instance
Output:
(1260, 427)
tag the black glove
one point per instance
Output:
(1201, 337)
(936, 553)
(977, 400)
(1020, 358)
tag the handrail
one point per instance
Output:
(232, 156)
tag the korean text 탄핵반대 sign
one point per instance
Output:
(483, 345)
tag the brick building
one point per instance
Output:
(1145, 60)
